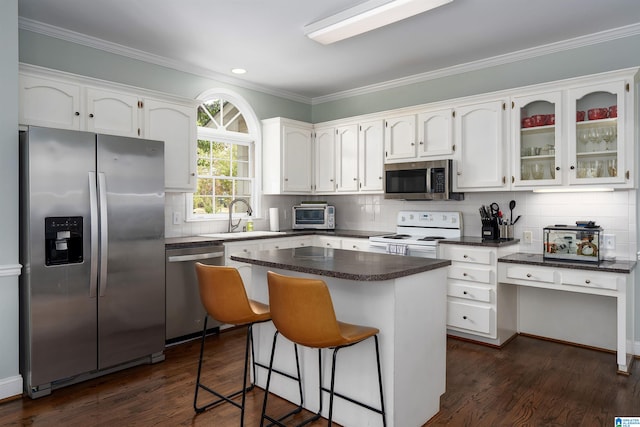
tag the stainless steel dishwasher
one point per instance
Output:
(184, 310)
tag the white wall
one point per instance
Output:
(10, 380)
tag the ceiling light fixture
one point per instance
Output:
(367, 16)
(238, 70)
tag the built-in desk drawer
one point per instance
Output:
(533, 274)
(462, 272)
(588, 279)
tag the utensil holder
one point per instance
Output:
(506, 232)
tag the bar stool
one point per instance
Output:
(224, 298)
(302, 311)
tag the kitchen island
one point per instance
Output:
(404, 297)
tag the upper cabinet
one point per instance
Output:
(175, 124)
(325, 160)
(536, 122)
(481, 146)
(600, 134)
(69, 104)
(286, 156)
(370, 160)
(435, 133)
(580, 134)
(400, 138)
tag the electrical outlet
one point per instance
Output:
(527, 236)
(609, 241)
(176, 218)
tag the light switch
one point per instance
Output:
(176, 218)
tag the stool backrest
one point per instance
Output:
(302, 310)
(223, 294)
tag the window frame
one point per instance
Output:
(253, 139)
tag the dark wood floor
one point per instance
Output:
(528, 383)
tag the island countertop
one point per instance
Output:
(341, 264)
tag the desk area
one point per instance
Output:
(605, 279)
(404, 297)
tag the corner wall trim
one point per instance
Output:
(10, 270)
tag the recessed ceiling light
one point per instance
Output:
(238, 70)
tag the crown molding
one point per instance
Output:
(588, 40)
(96, 43)
(82, 39)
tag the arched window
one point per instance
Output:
(228, 156)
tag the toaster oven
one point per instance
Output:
(314, 216)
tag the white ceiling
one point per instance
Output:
(266, 37)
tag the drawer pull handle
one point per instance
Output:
(465, 274)
(464, 292)
(464, 317)
(465, 256)
(587, 281)
(528, 274)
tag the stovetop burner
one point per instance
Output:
(397, 236)
(431, 238)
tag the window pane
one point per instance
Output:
(242, 152)
(243, 189)
(204, 167)
(224, 187)
(208, 114)
(204, 148)
(222, 204)
(238, 124)
(221, 168)
(242, 170)
(205, 187)
(202, 205)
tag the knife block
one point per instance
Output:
(490, 229)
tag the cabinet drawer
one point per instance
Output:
(530, 274)
(471, 274)
(468, 316)
(475, 293)
(590, 280)
(468, 254)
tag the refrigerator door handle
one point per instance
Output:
(93, 204)
(104, 232)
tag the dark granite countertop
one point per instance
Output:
(197, 241)
(479, 241)
(341, 264)
(537, 259)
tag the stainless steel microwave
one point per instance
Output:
(426, 180)
(314, 216)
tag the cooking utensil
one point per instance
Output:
(512, 205)
(495, 208)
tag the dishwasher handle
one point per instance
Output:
(195, 257)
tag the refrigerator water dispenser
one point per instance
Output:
(63, 240)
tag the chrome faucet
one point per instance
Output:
(233, 226)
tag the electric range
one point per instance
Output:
(418, 233)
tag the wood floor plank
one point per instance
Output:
(530, 382)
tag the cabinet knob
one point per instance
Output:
(528, 274)
(587, 281)
(77, 113)
(421, 143)
(572, 167)
(465, 256)
(355, 179)
(557, 168)
(464, 317)
(465, 274)
(464, 292)
(91, 115)
(379, 177)
(413, 143)
(286, 179)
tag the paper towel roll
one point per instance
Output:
(274, 219)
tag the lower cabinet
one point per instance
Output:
(478, 307)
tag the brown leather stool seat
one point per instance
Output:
(302, 311)
(224, 298)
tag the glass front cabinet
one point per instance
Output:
(537, 124)
(596, 134)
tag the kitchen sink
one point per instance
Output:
(243, 234)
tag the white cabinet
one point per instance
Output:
(327, 241)
(112, 112)
(355, 244)
(480, 139)
(400, 138)
(370, 160)
(174, 124)
(286, 156)
(435, 133)
(325, 160)
(536, 122)
(347, 158)
(49, 103)
(70, 104)
(286, 242)
(600, 147)
(478, 307)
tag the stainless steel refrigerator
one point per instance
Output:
(92, 290)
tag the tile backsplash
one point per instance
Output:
(614, 211)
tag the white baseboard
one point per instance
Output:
(10, 387)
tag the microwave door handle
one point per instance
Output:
(429, 189)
